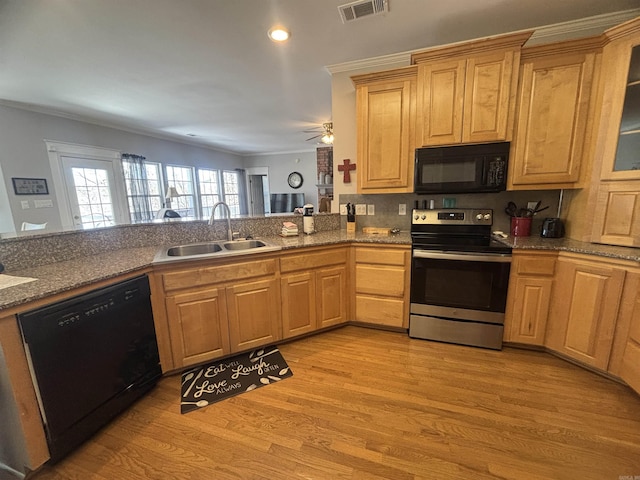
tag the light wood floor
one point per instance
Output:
(368, 404)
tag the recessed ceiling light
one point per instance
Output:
(279, 34)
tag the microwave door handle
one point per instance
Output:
(467, 257)
(484, 170)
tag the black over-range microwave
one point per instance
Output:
(462, 168)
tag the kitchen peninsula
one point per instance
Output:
(334, 246)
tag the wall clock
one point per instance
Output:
(295, 180)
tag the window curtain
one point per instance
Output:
(242, 191)
(135, 174)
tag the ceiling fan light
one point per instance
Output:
(279, 34)
(327, 138)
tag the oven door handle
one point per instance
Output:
(467, 257)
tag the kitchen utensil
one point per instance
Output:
(376, 230)
(511, 209)
(540, 210)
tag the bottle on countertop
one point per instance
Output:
(308, 225)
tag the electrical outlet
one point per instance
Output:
(24, 204)
(361, 209)
(343, 209)
(402, 209)
(371, 209)
(531, 205)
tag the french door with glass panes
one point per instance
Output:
(95, 196)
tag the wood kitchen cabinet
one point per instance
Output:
(253, 310)
(556, 100)
(198, 325)
(213, 310)
(616, 191)
(466, 92)
(381, 277)
(386, 112)
(530, 286)
(314, 290)
(584, 309)
(630, 359)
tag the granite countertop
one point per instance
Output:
(64, 276)
(569, 245)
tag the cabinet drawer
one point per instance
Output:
(536, 265)
(217, 274)
(306, 261)
(380, 256)
(382, 311)
(376, 280)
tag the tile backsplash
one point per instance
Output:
(386, 207)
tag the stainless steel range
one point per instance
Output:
(459, 278)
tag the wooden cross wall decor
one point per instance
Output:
(346, 168)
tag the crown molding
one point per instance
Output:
(398, 59)
(575, 28)
(548, 33)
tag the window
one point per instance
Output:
(93, 193)
(231, 191)
(182, 179)
(209, 184)
(151, 195)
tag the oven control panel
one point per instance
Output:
(453, 216)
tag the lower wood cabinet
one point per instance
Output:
(211, 311)
(314, 288)
(630, 367)
(584, 309)
(529, 297)
(382, 276)
(198, 325)
(332, 296)
(253, 311)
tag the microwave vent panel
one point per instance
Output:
(363, 8)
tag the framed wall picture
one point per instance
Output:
(30, 186)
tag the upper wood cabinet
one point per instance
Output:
(385, 108)
(616, 191)
(466, 92)
(556, 100)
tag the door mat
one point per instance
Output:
(207, 384)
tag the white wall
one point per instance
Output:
(343, 113)
(281, 165)
(23, 154)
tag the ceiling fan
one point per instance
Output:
(325, 135)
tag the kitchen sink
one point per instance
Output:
(215, 249)
(244, 244)
(194, 249)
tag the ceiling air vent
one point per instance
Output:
(363, 8)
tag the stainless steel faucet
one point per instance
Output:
(213, 211)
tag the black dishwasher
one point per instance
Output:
(91, 357)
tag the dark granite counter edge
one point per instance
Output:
(65, 276)
(573, 246)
